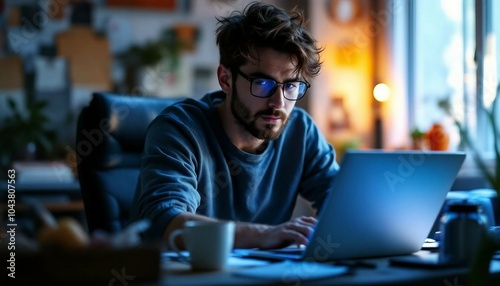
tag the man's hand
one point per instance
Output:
(295, 231)
(251, 235)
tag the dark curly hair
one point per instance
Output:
(266, 26)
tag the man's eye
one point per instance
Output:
(290, 85)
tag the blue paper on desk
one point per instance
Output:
(293, 271)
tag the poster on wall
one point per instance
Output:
(168, 5)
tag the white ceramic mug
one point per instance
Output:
(209, 243)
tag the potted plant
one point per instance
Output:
(418, 139)
(157, 61)
(24, 134)
(491, 172)
(490, 244)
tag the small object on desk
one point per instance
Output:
(462, 229)
(67, 232)
(430, 244)
(214, 252)
(293, 271)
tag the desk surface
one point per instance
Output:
(136, 267)
(175, 273)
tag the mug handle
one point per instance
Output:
(171, 243)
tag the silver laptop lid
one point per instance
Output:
(383, 203)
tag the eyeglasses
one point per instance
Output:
(265, 87)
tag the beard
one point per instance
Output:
(248, 121)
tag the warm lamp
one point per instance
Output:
(381, 93)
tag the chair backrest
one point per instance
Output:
(110, 138)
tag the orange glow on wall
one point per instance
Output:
(346, 75)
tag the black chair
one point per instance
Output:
(109, 142)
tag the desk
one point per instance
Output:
(101, 267)
(175, 273)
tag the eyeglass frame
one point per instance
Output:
(252, 79)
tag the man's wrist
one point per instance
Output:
(249, 235)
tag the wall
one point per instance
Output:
(145, 25)
(359, 54)
(391, 68)
(354, 52)
(121, 28)
(347, 73)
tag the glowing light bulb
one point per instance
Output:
(381, 92)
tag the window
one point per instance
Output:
(453, 56)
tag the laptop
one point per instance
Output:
(382, 203)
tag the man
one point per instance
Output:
(243, 153)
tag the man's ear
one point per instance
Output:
(225, 78)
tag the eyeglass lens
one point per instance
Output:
(266, 87)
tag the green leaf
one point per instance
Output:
(21, 128)
(476, 155)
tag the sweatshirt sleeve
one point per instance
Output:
(167, 184)
(320, 166)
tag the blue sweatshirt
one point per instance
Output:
(190, 165)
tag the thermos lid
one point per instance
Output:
(464, 207)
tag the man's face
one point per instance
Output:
(263, 118)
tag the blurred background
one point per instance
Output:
(395, 72)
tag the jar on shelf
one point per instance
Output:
(437, 138)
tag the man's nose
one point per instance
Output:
(277, 99)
